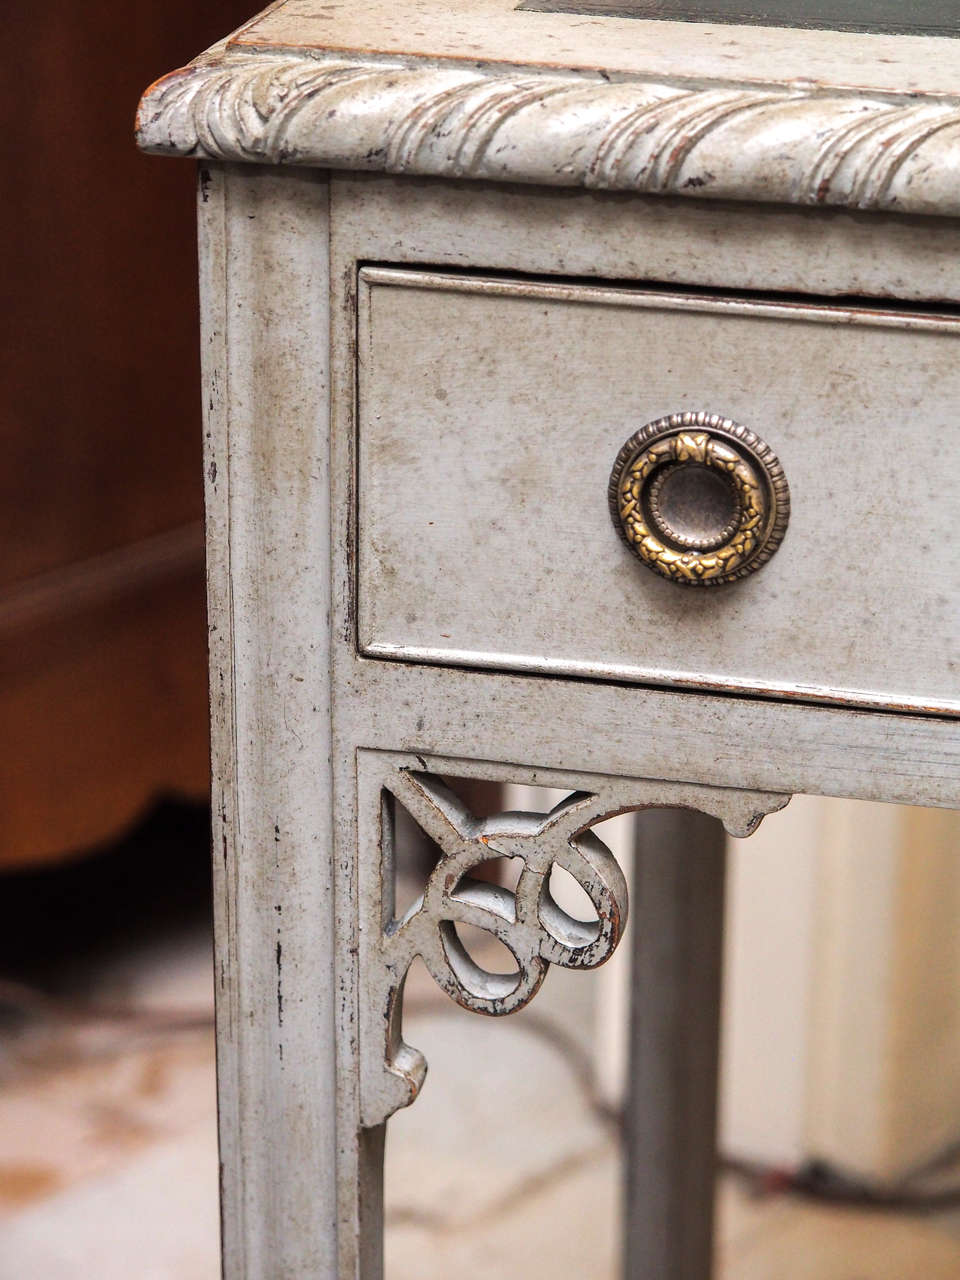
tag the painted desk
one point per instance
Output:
(579, 395)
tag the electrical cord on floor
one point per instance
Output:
(821, 1181)
(816, 1179)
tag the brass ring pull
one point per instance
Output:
(699, 498)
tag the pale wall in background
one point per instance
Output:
(842, 1003)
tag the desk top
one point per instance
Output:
(489, 90)
(922, 17)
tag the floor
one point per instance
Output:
(505, 1167)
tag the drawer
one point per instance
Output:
(491, 413)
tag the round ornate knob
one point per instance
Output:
(699, 498)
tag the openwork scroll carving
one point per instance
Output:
(527, 920)
(529, 923)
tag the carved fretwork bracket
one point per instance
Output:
(526, 920)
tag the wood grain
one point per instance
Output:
(103, 707)
(102, 700)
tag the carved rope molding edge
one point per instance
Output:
(784, 145)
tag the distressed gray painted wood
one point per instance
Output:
(264, 252)
(925, 17)
(748, 744)
(724, 128)
(288, 1128)
(528, 922)
(545, 722)
(299, 714)
(671, 1113)
(491, 412)
(498, 32)
(813, 149)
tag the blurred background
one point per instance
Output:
(840, 1100)
(106, 1066)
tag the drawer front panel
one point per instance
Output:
(491, 413)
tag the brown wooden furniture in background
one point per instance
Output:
(102, 632)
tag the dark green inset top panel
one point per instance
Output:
(901, 17)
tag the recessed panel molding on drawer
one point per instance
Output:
(490, 414)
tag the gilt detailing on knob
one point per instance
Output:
(699, 498)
